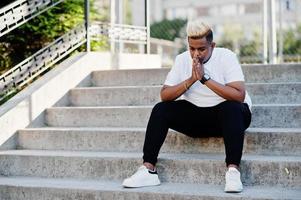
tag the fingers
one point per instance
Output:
(197, 69)
(194, 65)
(195, 61)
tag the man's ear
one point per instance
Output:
(213, 44)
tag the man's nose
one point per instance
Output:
(196, 53)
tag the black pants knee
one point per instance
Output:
(228, 119)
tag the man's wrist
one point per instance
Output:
(190, 82)
(205, 78)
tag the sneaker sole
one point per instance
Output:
(138, 186)
(233, 191)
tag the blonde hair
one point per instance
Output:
(197, 28)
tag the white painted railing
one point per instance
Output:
(21, 11)
(36, 64)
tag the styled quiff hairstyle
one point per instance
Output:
(198, 29)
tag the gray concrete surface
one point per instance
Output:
(285, 93)
(180, 168)
(257, 140)
(263, 115)
(90, 146)
(253, 74)
(20, 188)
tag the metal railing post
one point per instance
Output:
(147, 24)
(113, 21)
(280, 51)
(121, 10)
(272, 33)
(114, 54)
(87, 24)
(265, 32)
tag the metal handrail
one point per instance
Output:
(21, 11)
(119, 32)
(42, 60)
(27, 70)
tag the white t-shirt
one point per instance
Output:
(223, 67)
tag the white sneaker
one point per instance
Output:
(143, 177)
(233, 182)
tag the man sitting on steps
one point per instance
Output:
(203, 96)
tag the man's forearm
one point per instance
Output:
(170, 93)
(234, 91)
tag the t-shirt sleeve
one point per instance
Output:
(173, 77)
(233, 71)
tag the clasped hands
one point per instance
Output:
(197, 69)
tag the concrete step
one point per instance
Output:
(275, 93)
(272, 73)
(129, 77)
(253, 73)
(180, 168)
(149, 95)
(264, 115)
(276, 115)
(115, 96)
(20, 188)
(257, 140)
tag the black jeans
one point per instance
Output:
(228, 119)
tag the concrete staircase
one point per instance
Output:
(87, 148)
